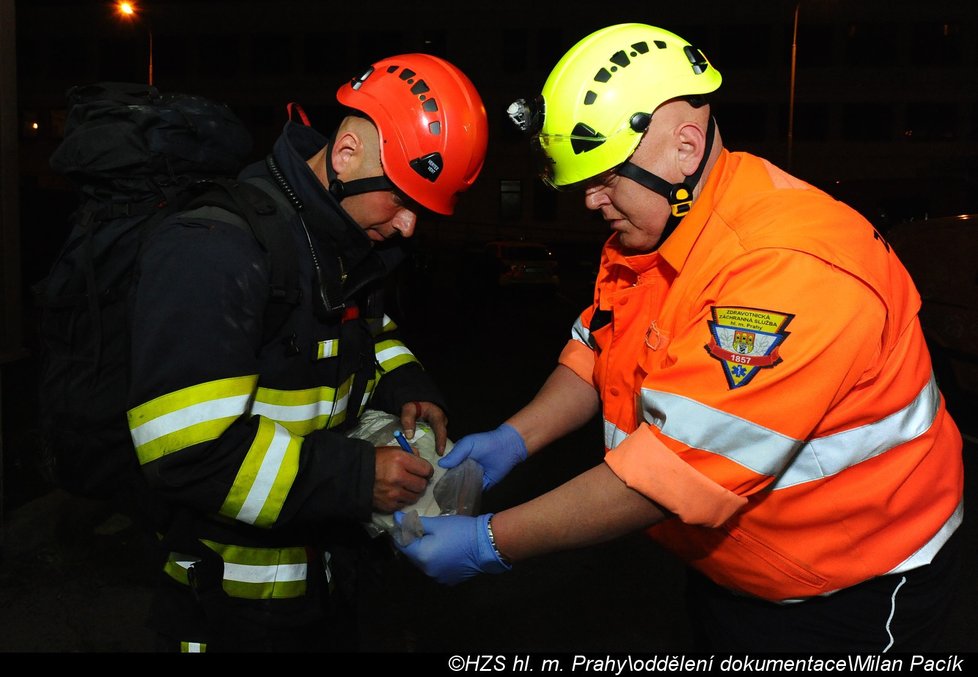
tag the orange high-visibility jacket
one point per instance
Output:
(764, 377)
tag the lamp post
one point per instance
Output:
(791, 92)
(131, 12)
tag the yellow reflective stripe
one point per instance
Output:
(196, 414)
(252, 573)
(387, 324)
(329, 348)
(302, 411)
(392, 354)
(367, 393)
(265, 477)
(263, 573)
(176, 567)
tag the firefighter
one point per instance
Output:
(769, 408)
(242, 436)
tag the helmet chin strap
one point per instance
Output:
(343, 189)
(679, 195)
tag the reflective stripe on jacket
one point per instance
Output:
(764, 377)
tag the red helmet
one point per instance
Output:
(432, 124)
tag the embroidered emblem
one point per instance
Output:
(746, 340)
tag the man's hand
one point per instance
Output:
(497, 451)
(453, 548)
(430, 412)
(399, 478)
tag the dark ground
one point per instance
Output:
(75, 577)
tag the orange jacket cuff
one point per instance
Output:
(649, 467)
(579, 358)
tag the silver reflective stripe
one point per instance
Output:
(696, 425)
(925, 555)
(827, 456)
(264, 481)
(224, 407)
(581, 333)
(300, 412)
(613, 435)
(766, 452)
(256, 573)
(390, 353)
(329, 348)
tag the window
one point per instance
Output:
(936, 44)
(870, 44)
(867, 122)
(930, 121)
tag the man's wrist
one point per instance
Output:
(492, 542)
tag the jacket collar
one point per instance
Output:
(348, 255)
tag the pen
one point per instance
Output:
(402, 441)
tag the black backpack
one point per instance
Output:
(137, 156)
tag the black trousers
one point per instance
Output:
(896, 613)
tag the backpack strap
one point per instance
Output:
(268, 223)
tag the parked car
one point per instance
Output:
(519, 263)
(941, 255)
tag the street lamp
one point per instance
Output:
(129, 11)
(791, 94)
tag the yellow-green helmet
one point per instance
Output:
(600, 96)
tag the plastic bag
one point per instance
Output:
(456, 491)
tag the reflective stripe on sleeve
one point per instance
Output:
(196, 414)
(302, 411)
(581, 333)
(392, 354)
(265, 477)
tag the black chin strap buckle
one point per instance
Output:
(680, 199)
(337, 189)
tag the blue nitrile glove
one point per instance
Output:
(497, 451)
(453, 548)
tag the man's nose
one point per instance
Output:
(404, 221)
(595, 197)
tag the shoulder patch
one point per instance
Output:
(746, 340)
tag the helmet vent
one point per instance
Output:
(430, 106)
(419, 88)
(641, 47)
(358, 82)
(590, 98)
(435, 128)
(696, 58)
(583, 139)
(407, 74)
(602, 75)
(620, 58)
(660, 44)
(390, 69)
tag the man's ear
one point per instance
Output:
(692, 145)
(346, 152)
